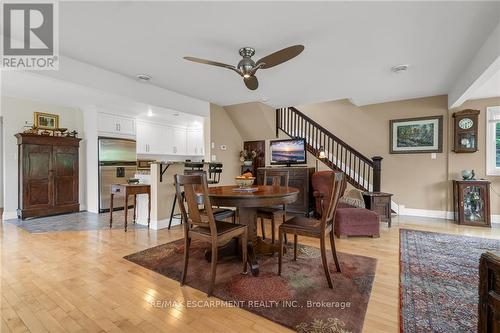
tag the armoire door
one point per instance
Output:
(37, 176)
(65, 175)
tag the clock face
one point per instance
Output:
(465, 123)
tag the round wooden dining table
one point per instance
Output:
(247, 203)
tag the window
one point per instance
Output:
(493, 141)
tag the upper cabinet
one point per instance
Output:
(180, 143)
(195, 142)
(116, 126)
(159, 139)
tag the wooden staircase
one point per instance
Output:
(361, 172)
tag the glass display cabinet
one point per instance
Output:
(471, 201)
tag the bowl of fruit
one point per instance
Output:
(245, 180)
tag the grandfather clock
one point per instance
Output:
(465, 131)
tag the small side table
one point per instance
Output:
(380, 203)
(128, 190)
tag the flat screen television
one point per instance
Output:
(287, 152)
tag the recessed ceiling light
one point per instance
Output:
(143, 77)
(399, 68)
(150, 112)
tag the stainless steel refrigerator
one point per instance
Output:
(117, 164)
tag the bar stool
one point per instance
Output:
(214, 172)
(219, 213)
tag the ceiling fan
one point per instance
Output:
(247, 67)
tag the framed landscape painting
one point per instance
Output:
(416, 135)
(46, 121)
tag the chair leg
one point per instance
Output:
(244, 247)
(187, 243)
(262, 227)
(280, 255)
(213, 268)
(172, 213)
(334, 251)
(325, 262)
(295, 247)
(273, 238)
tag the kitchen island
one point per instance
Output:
(162, 194)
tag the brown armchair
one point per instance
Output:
(349, 220)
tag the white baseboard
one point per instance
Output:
(438, 214)
(9, 215)
(159, 224)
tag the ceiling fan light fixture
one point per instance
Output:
(247, 67)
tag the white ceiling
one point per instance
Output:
(350, 47)
(490, 88)
(19, 84)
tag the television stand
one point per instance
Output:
(299, 177)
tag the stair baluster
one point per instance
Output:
(361, 172)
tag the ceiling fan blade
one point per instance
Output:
(281, 56)
(251, 82)
(213, 63)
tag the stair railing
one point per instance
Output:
(361, 171)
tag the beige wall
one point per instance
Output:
(15, 113)
(224, 133)
(254, 121)
(417, 180)
(477, 160)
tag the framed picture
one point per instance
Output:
(46, 120)
(416, 135)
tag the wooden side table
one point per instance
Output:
(128, 190)
(379, 202)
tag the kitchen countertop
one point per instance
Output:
(177, 162)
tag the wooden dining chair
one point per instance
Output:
(219, 213)
(204, 226)
(274, 178)
(311, 227)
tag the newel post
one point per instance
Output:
(277, 122)
(377, 168)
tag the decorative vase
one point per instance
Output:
(247, 162)
(467, 174)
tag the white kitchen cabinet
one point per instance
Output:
(143, 138)
(154, 139)
(195, 142)
(162, 139)
(180, 138)
(115, 125)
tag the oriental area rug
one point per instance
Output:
(439, 277)
(299, 299)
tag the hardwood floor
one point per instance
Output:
(78, 281)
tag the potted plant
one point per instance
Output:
(247, 157)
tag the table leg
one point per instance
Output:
(248, 217)
(149, 208)
(111, 211)
(126, 210)
(135, 206)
